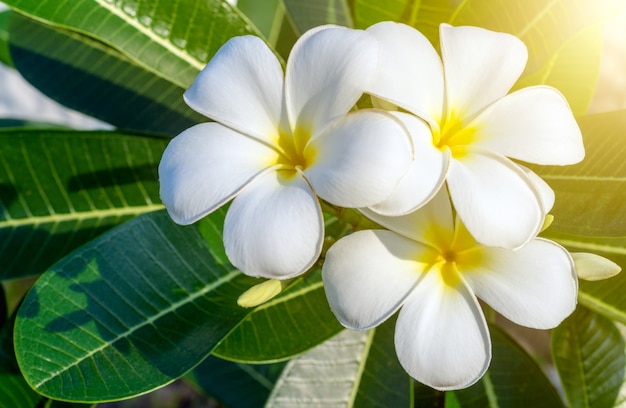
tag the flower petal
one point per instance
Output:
(480, 66)
(274, 228)
(433, 224)
(497, 202)
(441, 338)
(425, 176)
(410, 73)
(545, 191)
(534, 286)
(242, 88)
(534, 124)
(368, 274)
(205, 166)
(327, 71)
(359, 159)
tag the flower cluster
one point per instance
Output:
(434, 163)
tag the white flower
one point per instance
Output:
(469, 127)
(277, 143)
(432, 268)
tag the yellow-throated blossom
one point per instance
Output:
(466, 128)
(278, 143)
(430, 267)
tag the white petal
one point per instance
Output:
(533, 124)
(368, 274)
(241, 87)
(410, 73)
(327, 71)
(274, 228)
(442, 339)
(495, 199)
(425, 176)
(594, 267)
(433, 224)
(359, 159)
(480, 66)
(534, 286)
(205, 166)
(545, 191)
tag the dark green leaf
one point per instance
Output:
(225, 380)
(3, 307)
(513, 380)
(312, 13)
(93, 78)
(266, 15)
(588, 352)
(16, 393)
(5, 56)
(174, 39)
(357, 369)
(59, 189)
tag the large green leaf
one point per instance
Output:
(266, 15)
(133, 310)
(16, 393)
(59, 189)
(93, 78)
(173, 38)
(353, 369)
(590, 196)
(224, 380)
(3, 307)
(5, 56)
(425, 15)
(312, 13)
(513, 380)
(588, 352)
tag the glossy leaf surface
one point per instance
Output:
(5, 56)
(59, 189)
(313, 13)
(588, 352)
(174, 38)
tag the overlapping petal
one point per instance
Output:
(480, 67)
(410, 74)
(205, 166)
(241, 87)
(328, 70)
(534, 286)
(546, 193)
(441, 338)
(534, 124)
(368, 274)
(274, 228)
(359, 159)
(425, 176)
(498, 204)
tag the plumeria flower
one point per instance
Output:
(430, 267)
(466, 128)
(278, 143)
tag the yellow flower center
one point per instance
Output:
(293, 151)
(462, 253)
(453, 134)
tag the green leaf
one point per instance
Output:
(513, 380)
(224, 381)
(3, 307)
(174, 39)
(590, 196)
(588, 352)
(353, 369)
(133, 310)
(59, 189)
(312, 13)
(425, 15)
(16, 393)
(266, 15)
(287, 325)
(88, 76)
(5, 55)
